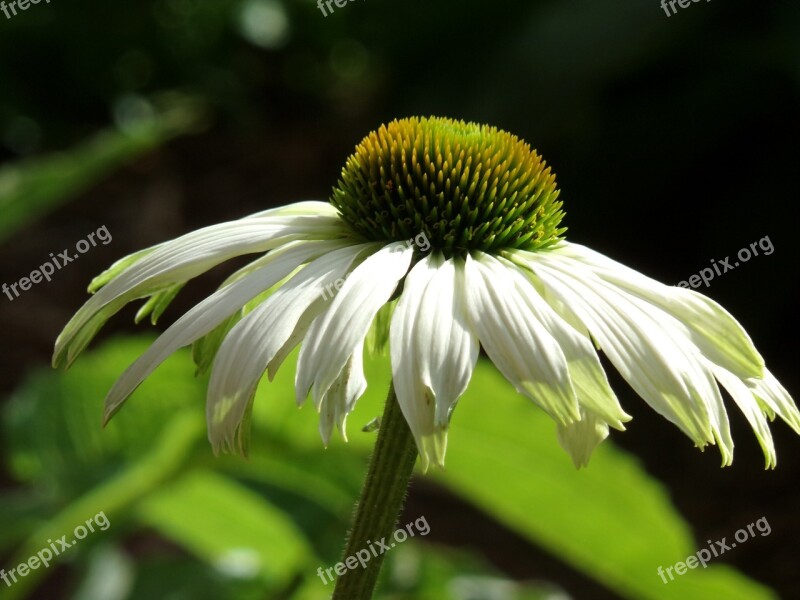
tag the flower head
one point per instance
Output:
(494, 273)
(468, 187)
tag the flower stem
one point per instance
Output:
(381, 500)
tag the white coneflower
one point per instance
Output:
(495, 273)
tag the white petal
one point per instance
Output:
(299, 333)
(209, 313)
(341, 397)
(182, 259)
(118, 267)
(647, 348)
(516, 342)
(581, 438)
(334, 335)
(712, 329)
(775, 398)
(749, 406)
(306, 207)
(585, 371)
(255, 341)
(433, 351)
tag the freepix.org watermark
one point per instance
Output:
(671, 4)
(54, 549)
(363, 556)
(17, 4)
(46, 270)
(715, 549)
(321, 4)
(723, 266)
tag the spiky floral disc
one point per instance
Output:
(465, 186)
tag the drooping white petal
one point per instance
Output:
(775, 398)
(334, 335)
(341, 397)
(118, 267)
(516, 342)
(433, 351)
(747, 403)
(449, 360)
(299, 333)
(305, 207)
(712, 329)
(585, 371)
(653, 355)
(206, 315)
(581, 438)
(255, 341)
(182, 259)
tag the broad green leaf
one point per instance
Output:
(305, 474)
(108, 503)
(610, 520)
(52, 425)
(228, 526)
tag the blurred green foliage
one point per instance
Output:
(264, 525)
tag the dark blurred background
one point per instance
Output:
(675, 142)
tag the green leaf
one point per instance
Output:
(114, 496)
(228, 526)
(610, 520)
(51, 425)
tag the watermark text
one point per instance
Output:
(672, 3)
(321, 4)
(54, 548)
(363, 556)
(56, 262)
(724, 265)
(17, 4)
(714, 550)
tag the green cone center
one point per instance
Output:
(465, 186)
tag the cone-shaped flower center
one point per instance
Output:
(465, 186)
